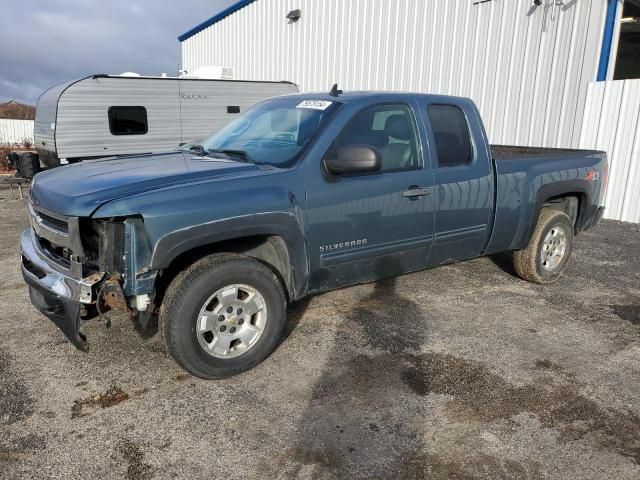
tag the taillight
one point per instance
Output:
(605, 180)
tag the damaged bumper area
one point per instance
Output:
(54, 291)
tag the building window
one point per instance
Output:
(628, 57)
(128, 120)
(451, 133)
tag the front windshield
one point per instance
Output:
(272, 132)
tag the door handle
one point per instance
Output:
(415, 191)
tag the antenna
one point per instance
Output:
(334, 90)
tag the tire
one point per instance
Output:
(530, 263)
(184, 315)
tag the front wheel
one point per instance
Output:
(549, 249)
(223, 315)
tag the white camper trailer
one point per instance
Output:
(104, 115)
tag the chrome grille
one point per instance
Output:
(58, 224)
(57, 234)
(54, 223)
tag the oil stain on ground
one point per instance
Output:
(113, 396)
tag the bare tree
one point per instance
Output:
(17, 111)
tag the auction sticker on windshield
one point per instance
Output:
(315, 104)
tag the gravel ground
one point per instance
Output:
(463, 371)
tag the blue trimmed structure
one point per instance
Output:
(607, 40)
(215, 19)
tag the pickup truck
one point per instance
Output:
(297, 195)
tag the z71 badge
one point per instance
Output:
(332, 247)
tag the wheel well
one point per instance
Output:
(569, 203)
(271, 250)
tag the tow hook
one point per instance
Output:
(86, 287)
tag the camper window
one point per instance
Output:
(128, 120)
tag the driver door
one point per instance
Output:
(362, 227)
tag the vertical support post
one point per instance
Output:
(607, 40)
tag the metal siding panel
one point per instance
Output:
(546, 59)
(572, 65)
(595, 17)
(15, 131)
(530, 85)
(501, 71)
(469, 43)
(627, 149)
(612, 123)
(591, 117)
(504, 110)
(631, 202)
(606, 140)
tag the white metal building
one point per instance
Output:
(16, 132)
(527, 64)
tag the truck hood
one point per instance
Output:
(78, 189)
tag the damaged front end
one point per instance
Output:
(78, 269)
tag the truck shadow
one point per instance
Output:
(504, 262)
(295, 312)
(353, 423)
(369, 415)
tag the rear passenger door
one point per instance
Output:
(463, 179)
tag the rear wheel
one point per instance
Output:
(549, 249)
(223, 315)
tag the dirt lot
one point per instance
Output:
(459, 372)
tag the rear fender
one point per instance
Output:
(580, 188)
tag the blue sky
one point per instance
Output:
(44, 42)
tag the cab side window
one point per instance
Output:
(389, 129)
(451, 133)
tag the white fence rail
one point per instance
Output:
(612, 123)
(15, 131)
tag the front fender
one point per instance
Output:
(179, 218)
(284, 224)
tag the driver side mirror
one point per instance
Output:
(354, 159)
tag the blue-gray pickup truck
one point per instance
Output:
(299, 194)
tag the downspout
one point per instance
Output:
(607, 40)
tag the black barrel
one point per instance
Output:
(27, 164)
(12, 159)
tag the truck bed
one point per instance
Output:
(513, 152)
(526, 174)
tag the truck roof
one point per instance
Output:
(350, 96)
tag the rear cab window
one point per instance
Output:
(451, 133)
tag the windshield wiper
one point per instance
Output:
(231, 153)
(197, 149)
